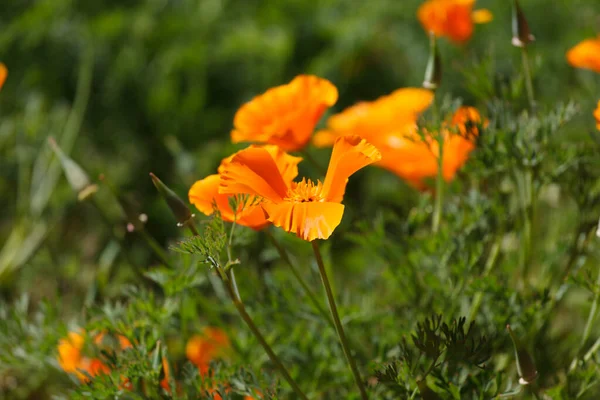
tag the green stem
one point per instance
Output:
(528, 215)
(439, 187)
(158, 250)
(588, 325)
(237, 302)
(528, 80)
(311, 296)
(489, 265)
(338, 323)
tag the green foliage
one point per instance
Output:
(132, 87)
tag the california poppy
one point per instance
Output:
(3, 74)
(204, 194)
(415, 158)
(396, 112)
(285, 115)
(310, 210)
(452, 18)
(597, 115)
(390, 124)
(586, 55)
(210, 345)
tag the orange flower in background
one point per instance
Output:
(586, 55)
(310, 210)
(201, 349)
(204, 194)
(285, 115)
(414, 159)
(395, 113)
(3, 74)
(452, 18)
(72, 360)
(597, 115)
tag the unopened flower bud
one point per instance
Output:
(426, 392)
(76, 176)
(525, 365)
(520, 28)
(433, 72)
(178, 207)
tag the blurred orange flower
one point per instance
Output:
(390, 124)
(452, 18)
(310, 210)
(597, 115)
(285, 115)
(586, 55)
(395, 113)
(204, 194)
(415, 159)
(3, 74)
(71, 359)
(201, 349)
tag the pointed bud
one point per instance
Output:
(178, 207)
(525, 365)
(433, 72)
(76, 176)
(520, 28)
(426, 392)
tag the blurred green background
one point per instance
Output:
(131, 87)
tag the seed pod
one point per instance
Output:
(433, 71)
(520, 28)
(525, 365)
(178, 207)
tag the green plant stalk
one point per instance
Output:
(528, 221)
(489, 265)
(439, 187)
(311, 296)
(237, 302)
(338, 324)
(314, 162)
(528, 80)
(588, 325)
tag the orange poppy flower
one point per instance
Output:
(204, 194)
(71, 359)
(414, 159)
(310, 210)
(452, 18)
(3, 74)
(285, 115)
(597, 115)
(396, 112)
(586, 55)
(202, 349)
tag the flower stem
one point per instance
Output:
(237, 302)
(338, 324)
(439, 187)
(528, 80)
(489, 265)
(588, 325)
(311, 296)
(314, 162)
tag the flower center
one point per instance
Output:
(305, 191)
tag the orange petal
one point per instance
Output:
(253, 171)
(586, 55)
(597, 116)
(285, 115)
(350, 153)
(69, 351)
(204, 194)
(309, 220)
(3, 74)
(451, 18)
(482, 16)
(286, 163)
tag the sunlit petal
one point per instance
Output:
(350, 153)
(309, 220)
